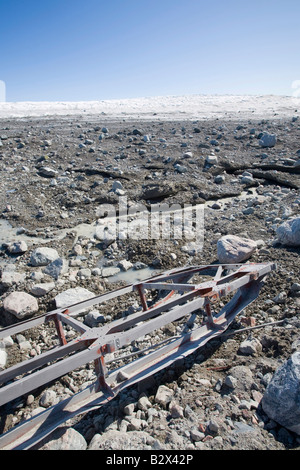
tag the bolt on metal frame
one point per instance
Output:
(179, 300)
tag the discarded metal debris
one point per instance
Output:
(177, 299)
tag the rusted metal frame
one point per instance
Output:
(84, 400)
(71, 321)
(124, 338)
(131, 320)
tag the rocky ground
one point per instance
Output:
(56, 174)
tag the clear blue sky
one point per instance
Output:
(72, 50)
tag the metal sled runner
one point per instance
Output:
(171, 297)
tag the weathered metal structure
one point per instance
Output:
(179, 298)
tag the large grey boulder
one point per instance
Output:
(288, 233)
(281, 401)
(234, 249)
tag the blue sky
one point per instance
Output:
(73, 50)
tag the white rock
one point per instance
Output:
(211, 159)
(42, 289)
(250, 347)
(65, 439)
(43, 256)
(72, 296)
(3, 358)
(20, 304)
(125, 265)
(18, 247)
(110, 271)
(288, 233)
(164, 395)
(233, 249)
(48, 398)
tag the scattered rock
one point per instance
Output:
(268, 140)
(20, 304)
(73, 296)
(281, 398)
(43, 256)
(42, 289)
(64, 439)
(57, 268)
(17, 248)
(117, 440)
(288, 233)
(164, 395)
(234, 249)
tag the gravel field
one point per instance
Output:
(57, 172)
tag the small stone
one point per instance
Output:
(47, 172)
(268, 140)
(230, 381)
(211, 159)
(250, 347)
(49, 398)
(219, 179)
(144, 404)
(125, 265)
(196, 435)
(110, 271)
(176, 410)
(164, 395)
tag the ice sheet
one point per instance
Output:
(163, 108)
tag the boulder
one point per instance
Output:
(20, 304)
(288, 233)
(282, 396)
(234, 249)
(43, 256)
